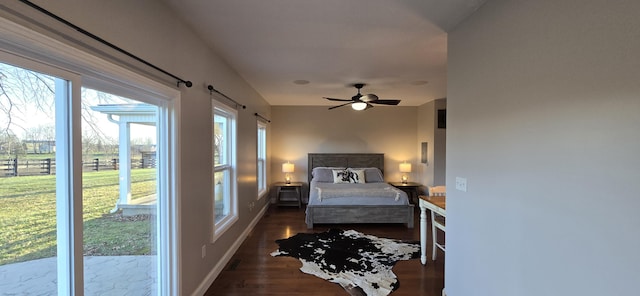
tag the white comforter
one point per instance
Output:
(379, 193)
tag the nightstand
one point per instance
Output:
(411, 188)
(286, 190)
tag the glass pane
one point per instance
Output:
(261, 176)
(220, 136)
(221, 193)
(28, 237)
(119, 195)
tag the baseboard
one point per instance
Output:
(208, 280)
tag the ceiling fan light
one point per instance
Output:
(359, 106)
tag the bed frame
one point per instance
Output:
(318, 214)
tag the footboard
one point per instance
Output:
(360, 214)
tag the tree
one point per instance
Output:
(21, 93)
(218, 139)
(24, 93)
(10, 145)
(42, 138)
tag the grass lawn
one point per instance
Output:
(28, 216)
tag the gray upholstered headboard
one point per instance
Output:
(347, 160)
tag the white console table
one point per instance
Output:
(437, 204)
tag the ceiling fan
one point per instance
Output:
(362, 102)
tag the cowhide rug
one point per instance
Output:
(360, 263)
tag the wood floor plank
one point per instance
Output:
(253, 271)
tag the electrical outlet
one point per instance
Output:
(461, 184)
(204, 251)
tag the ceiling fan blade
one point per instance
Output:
(339, 100)
(386, 102)
(340, 105)
(369, 106)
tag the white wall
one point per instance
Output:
(426, 126)
(298, 130)
(151, 30)
(432, 173)
(543, 102)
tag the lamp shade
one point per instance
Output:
(359, 106)
(405, 167)
(287, 167)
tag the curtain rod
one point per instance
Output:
(107, 43)
(211, 89)
(264, 118)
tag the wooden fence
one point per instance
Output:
(14, 167)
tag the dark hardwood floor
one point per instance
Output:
(253, 271)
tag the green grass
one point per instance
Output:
(28, 217)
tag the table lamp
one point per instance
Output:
(287, 168)
(404, 169)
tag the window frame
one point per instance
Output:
(220, 227)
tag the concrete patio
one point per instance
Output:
(103, 275)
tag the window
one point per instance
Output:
(224, 174)
(262, 159)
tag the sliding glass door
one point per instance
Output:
(120, 196)
(87, 183)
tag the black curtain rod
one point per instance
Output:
(264, 118)
(211, 89)
(107, 43)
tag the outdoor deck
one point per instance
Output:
(103, 275)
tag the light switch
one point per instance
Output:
(461, 184)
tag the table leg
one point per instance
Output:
(434, 236)
(278, 194)
(423, 235)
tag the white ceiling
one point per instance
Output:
(394, 46)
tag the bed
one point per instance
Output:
(375, 201)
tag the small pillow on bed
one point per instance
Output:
(348, 176)
(323, 174)
(360, 175)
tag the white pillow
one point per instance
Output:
(348, 176)
(371, 175)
